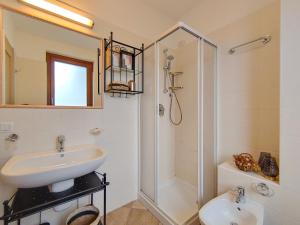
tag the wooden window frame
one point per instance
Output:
(9, 50)
(51, 59)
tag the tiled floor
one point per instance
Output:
(133, 213)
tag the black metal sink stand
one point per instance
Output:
(29, 201)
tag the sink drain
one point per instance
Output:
(233, 223)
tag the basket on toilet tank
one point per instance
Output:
(245, 162)
(86, 215)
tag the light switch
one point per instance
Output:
(6, 127)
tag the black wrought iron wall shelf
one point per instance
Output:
(124, 68)
(30, 201)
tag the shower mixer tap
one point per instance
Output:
(172, 79)
(172, 94)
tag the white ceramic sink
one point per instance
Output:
(224, 211)
(45, 168)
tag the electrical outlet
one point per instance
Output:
(6, 127)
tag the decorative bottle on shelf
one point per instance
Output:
(272, 169)
(264, 159)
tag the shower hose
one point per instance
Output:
(173, 95)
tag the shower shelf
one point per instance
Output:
(129, 71)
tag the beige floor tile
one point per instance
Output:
(118, 217)
(150, 219)
(196, 223)
(129, 205)
(136, 217)
(134, 213)
(138, 205)
(141, 217)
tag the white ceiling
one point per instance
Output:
(210, 15)
(132, 15)
(172, 8)
(149, 18)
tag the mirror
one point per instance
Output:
(48, 65)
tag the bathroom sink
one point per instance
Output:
(50, 167)
(223, 210)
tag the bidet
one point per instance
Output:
(224, 210)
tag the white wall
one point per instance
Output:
(289, 114)
(38, 129)
(30, 82)
(282, 209)
(249, 86)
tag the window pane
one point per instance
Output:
(70, 84)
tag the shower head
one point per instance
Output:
(168, 62)
(168, 59)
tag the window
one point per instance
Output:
(70, 81)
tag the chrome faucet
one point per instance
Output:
(12, 138)
(60, 143)
(239, 194)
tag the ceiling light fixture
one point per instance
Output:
(60, 11)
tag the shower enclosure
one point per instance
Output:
(177, 152)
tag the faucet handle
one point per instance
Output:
(12, 138)
(239, 194)
(61, 138)
(240, 190)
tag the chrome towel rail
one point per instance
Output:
(264, 40)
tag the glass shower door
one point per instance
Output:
(177, 167)
(177, 147)
(147, 127)
(208, 177)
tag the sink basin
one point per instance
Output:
(45, 168)
(223, 210)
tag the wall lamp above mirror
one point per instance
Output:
(48, 66)
(57, 8)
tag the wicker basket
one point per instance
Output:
(246, 162)
(86, 215)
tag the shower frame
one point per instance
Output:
(153, 204)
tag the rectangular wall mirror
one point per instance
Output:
(45, 65)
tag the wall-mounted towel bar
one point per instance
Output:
(263, 40)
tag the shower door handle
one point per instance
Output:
(161, 110)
